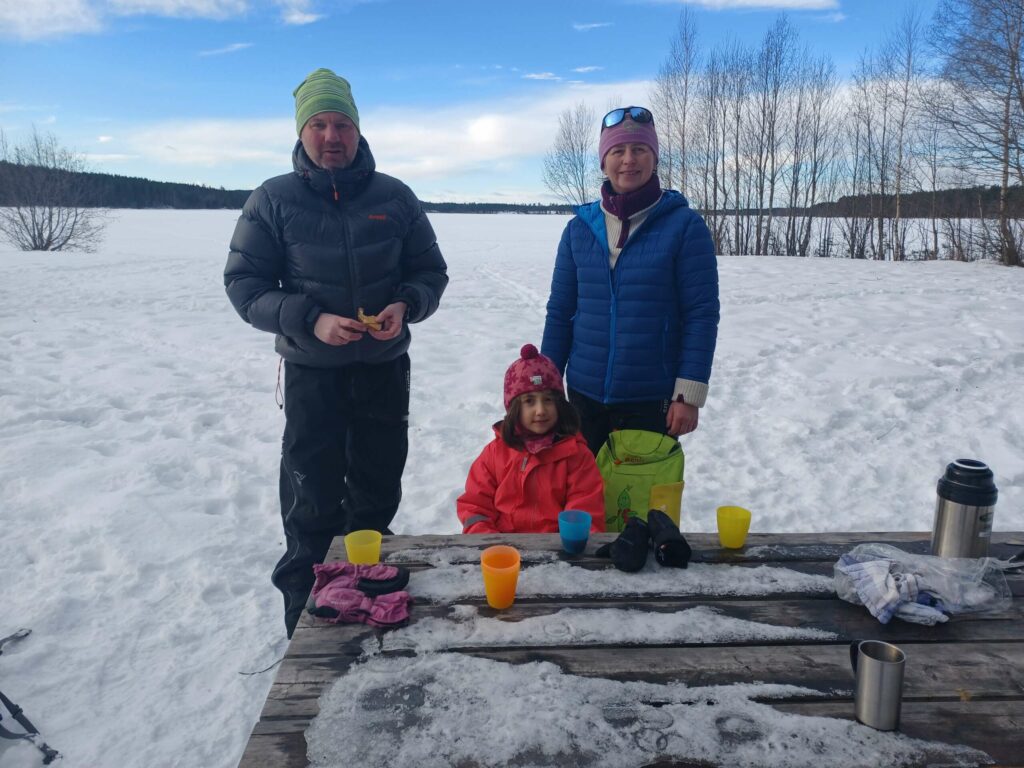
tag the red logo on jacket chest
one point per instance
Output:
(377, 217)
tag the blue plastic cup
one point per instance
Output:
(574, 528)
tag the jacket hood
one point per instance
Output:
(349, 182)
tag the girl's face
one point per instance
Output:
(537, 412)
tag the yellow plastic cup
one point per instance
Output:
(668, 497)
(733, 524)
(500, 566)
(363, 547)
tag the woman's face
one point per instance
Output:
(629, 166)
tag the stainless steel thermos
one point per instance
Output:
(964, 509)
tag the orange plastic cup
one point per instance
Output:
(500, 567)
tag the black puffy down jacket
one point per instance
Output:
(316, 241)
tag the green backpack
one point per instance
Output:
(631, 462)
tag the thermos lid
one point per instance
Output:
(968, 482)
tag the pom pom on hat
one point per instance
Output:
(532, 372)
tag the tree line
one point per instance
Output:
(762, 138)
(36, 184)
(49, 200)
(102, 190)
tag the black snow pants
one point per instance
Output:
(342, 456)
(597, 420)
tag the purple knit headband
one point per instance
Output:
(628, 132)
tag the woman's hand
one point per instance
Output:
(681, 419)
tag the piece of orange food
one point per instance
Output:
(370, 321)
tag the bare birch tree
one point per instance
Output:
(571, 166)
(674, 98)
(904, 70)
(771, 80)
(46, 209)
(980, 43)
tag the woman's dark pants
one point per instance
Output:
(342, 456)
(598, 419)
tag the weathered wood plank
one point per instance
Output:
(936, 671)
(995, 727)
(925, 716)
(281, 750)
(820, 546)
(992, 727)
(848, 622)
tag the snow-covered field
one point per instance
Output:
(139, 443)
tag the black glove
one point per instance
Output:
(670, 546)
(629, 551)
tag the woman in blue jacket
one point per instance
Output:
(632, 318)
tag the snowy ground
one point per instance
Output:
(139, 442)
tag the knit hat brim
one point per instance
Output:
(628, 132)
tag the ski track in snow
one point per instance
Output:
(139, 440)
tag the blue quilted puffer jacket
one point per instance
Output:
(627, 335)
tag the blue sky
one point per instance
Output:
(459, 99)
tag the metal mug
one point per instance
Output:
(878, 668)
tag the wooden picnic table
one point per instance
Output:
(964, 679)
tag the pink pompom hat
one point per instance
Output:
(532, 372)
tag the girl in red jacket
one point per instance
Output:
(537, 465)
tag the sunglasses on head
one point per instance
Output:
(636, 114)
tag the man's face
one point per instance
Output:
(330, 139)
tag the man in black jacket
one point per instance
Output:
(336, 259)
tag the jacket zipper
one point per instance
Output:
(613, 310)
(348, 246)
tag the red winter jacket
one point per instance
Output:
(510, 490)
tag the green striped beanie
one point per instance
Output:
(323, 91)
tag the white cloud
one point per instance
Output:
(97, 158)
(832, 18)
(587, 69)
(792, 5)
(541, 76)
(487, 134)
(104, 139)
(213, 143)
(587, 27)
(204, 9)
(37, 19)
(297, 12)
(226, 49)
(490, 149)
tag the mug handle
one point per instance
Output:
(854, 652)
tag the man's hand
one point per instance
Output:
(391, 319)
(337, 330)
(681, 419)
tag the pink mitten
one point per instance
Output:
(340, 604)
(390, 610)
(375, 579)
